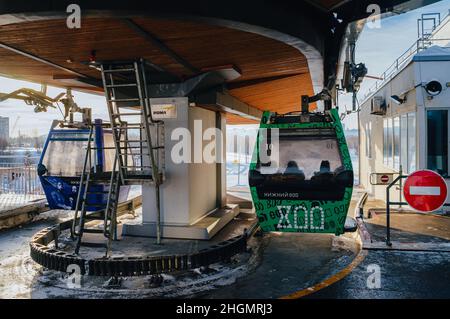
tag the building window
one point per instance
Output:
(396, 143)
(404, 142)
(385, 142)
(369, 140)
(408, 142)
(388, 144)
(399, 142)
(411, 143)
(437, 146)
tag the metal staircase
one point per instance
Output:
(138, 144)
(129, 109)
(89, 191)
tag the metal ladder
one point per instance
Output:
(129, 108)
(128, 114)
(86, 191)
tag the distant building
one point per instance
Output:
(405, 121)
(4, 128)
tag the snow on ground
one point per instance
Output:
(21, 277)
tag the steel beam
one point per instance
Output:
(223, 101)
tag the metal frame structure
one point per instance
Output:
(399, 179)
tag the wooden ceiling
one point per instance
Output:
(274, 74)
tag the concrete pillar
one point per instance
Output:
(193, 194)
(221, 161)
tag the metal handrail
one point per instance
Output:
(112, 187)
(398, 65)
(87, 158)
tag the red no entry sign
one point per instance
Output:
(384, 179)
(425, 191)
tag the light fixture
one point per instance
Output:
(433, 88)
(397, 100)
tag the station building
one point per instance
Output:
(404, 120)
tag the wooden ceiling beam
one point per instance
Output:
(242, 84)
(160, 45)
(39, 59)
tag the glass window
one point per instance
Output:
(437, 146)
(411, 143)
(404, 142)
(385, 142)
(389, 143)
(396, 141)
(65, 158)
(308, 156)
(369, 139)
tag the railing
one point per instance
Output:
(424, 42)
(403, 60)
(19, 179)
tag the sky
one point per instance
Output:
(377, 48)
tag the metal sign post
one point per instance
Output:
(389, 203)
(399, 203)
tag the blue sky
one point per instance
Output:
(377, 48)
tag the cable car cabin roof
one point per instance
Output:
(281, 50)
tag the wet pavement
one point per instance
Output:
(17, 270)
(290, 262)
(410, 227)
(21, 277)
(278, 265)
(412, 268)
(402, 275)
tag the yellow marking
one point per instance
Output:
(329, 281)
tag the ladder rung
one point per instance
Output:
(128, 127)
(132, 141)
(98, 192)
(139, 166)
(121, 85)
(95, 205)
(101, 182)
(113, 148)
(119, 70)
(88, 244)
(124, 100)
(92, 231)
(88, 217)
(127, 114)
(121, 148)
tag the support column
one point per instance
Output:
(221, 154)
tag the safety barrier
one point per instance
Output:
(19, 179)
